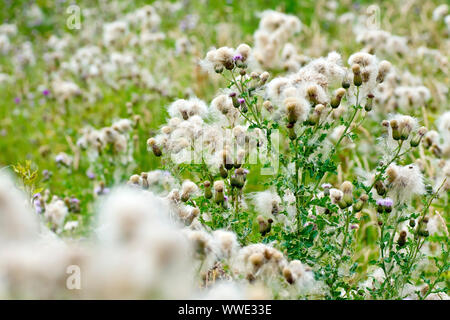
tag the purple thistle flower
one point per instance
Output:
(17, 100)
(90, 175)
(225, 198)
(46, 92)
(241, 100)
(380, 202)
(59, 158)
(232, 94)
(326, 186)
(37, 207)
(388, 202)
(100, 191)
(237, 57)
(75, 200)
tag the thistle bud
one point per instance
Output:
(291, 132)
(218, 192)
(347, 189)
(380, 187)
(402, 239)
(223, 172)
(383, 69)
(396, 135)
(412, 223)
(243, 105)
(392, 174)
(254, 75)
(313, 118)
(144, 179)
(436, 150)
(312, 94)
(359, 205)
(287, 274)
(345, 84)
(263, 78)
(369, 103)
(208, 192)
(134, 180)
(423, 232)
(152, 144)
(264, 226)
(227, 161)
(268, 106)
(238, 179)
(188, 188)
(218, 68)
(291, 113)
(336, 100)
(256, 259)
(326, 189)
(234, 100)
(357, 78)
(415, 141)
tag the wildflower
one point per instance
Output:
(90, 175)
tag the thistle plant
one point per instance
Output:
(179, 162)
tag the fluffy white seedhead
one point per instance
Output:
(18, 222)
(137, 237)
(56, 212)
(440, 12)
(444, 127)
(405, 182)
(275, 29)
(184, 109)
(259, 260)
(310, 83)
(225, 243)
(127, 215)
(267, 203)
(225, 290)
